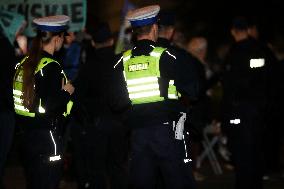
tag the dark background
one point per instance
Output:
(215, 15)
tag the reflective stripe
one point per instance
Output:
(143, 87)
(185, 148)
(235, 121)
(17, 92)
(17, 87)
(141, 80)
(142, 84)
(144, 94)
(41, 110)
(126, 58)
(18, 100)
(257, 63)
(17, 65)
(118, 62)
(172, 96)
(171, 54)
(155, 54)
(55, 147)
(55, 158)
(172, 92)
(187, 160)
(124, 75)
(22, 108)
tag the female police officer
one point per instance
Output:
(42, 99)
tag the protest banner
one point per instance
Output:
(31, 9)
(10, 24)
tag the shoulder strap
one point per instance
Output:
(127, 55)
(43, 62)
(157, 51)
(21, 63)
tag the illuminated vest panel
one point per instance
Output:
(141, 74)
(18, 89)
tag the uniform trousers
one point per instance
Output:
(156, 152)
(39, 144)
(7, 125)
(100, 154)
(247, 143)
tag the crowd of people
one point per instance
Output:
(136, 119)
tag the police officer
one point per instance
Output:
(195, 73)
(195, 69)
(99, 139)
(153, 81)
(7, 120)
(274, 114)
(166, 23)
(245, 100)
(41, 100)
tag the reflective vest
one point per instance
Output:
(18, 89)
(141, 74)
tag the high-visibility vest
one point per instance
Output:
(142, 73)
(18, 89)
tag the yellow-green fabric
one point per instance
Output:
(142, 74)
(18, 86)
(18, 92)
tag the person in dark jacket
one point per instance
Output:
(245, 104)
(195, 73)
(42, 100)
(153, 79)
(99, 139)
(7, 120)
(274, 130)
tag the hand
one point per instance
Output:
(68, 87)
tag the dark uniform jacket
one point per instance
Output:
(48, 88)
(170, 69)
(7, 67)
(195, 69)
(95, 86)
(198, 111)
(246, 87)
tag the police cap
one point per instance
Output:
(56, 23)
(143, 16)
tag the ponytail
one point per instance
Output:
(29, 67)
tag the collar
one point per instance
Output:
(163, 42)
(46, 54)
(144, 42)
(143, 47)
(105, 50)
